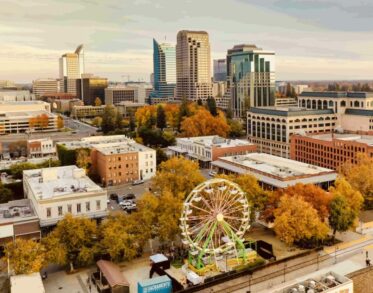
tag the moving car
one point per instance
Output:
(137, 182)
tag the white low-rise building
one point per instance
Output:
(60, 190)
(41, 148)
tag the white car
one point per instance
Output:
(126, 203)
(213, 173)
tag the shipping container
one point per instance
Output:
(155, 285)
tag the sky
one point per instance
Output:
(312, 39)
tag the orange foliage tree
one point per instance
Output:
(146, 115)
(203, 123)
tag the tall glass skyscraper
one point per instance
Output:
(164, 63)
(251, 78)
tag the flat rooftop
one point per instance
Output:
(16, 211)
(337, 94)
(56, 182)
(288, 111)
(318, 284)
(214, 140)
(24, 114)
(275, 171)
(121, 148)
(365, 139)
(95, 141)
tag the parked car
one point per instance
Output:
(213, 173)
(126, 202)
(137, 182)
(130, 196)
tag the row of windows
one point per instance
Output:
(60, 210)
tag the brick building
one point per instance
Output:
(330, 150)
(206, 149)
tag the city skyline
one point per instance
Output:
(312, 39)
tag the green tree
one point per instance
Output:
(17, 169)
(132, 122)
(183, 112)
(236, 129)
(341, 217)
(161, 117)
(72, 242)
(19, 147)
(24, 256)
(67, 157)
(161, 156)
(6, 194)
(119, 119)
(211, 106)
(109, 119)
(199, 102)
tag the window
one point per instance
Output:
(78, 207)
(69, 208)
(60, 210)
(98, 205)
(49, 212)
(87, 206)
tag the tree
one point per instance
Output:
(296, 220)
(211, 106)
(360, 177)
(109, 117)
(199, 102)
(183, 112)
(17, 169)
(235, 128)
(161, 156)
(19, 147)
(168, 215)
(43, 121)
(60, 122)
(97, 121)
(83, 159)
(115, 238)
(119, 120)
(132, 122)
(344, 207)
(341, 217)
(172, 115)
(161, 117)
(312, 194)
(177, 175)
(25, 256)
(256, 196)
(203, 123)
(146, 116)
(5, 194)
(98, 101)
(72, 242)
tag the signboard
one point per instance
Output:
(155, 285)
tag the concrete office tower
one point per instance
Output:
(193, 65)
(164, 63)
(220, 70)
(46, 85)
(251, 78)
(71, 69)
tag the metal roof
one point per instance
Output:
(112, 273)
(359, 112)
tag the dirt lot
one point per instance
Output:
(280, 249)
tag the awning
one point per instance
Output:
(112, 273)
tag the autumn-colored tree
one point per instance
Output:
(314, 195)
(146, 217)
(72, 242)
(83, 158)
(203, 123)
(146, 116)
(172, 114)
(97, 121)
(60, 122)
(178, 175)
(296, 219)
(25, 256)
(98, 101)
(168, 215)
(256, 196)
(115, 238)
(43, 121)
(354, 198)
(360, 177)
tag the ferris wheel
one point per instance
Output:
(214, 220)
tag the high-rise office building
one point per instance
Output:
(251, 78)
(193, 65)
(46, 85)
(71, 69)
(220, 70)
(164, 63)
(90, 87)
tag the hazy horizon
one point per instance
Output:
(313, 39)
